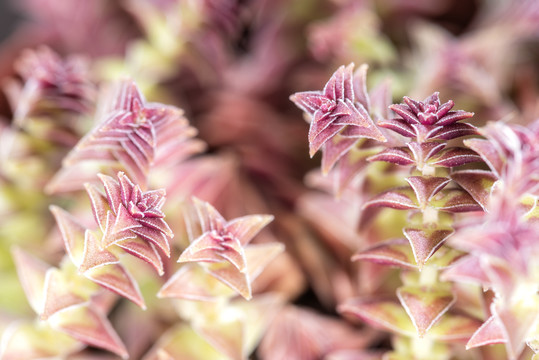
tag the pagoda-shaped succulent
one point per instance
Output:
(222, 248)
(343, 118)
(430, 197)
(337, 110)
(131, 134)
(131, 219)
(218, 265)
(72, 298)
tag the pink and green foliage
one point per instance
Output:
(424, 298)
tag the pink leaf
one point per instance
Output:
(455, 156)
(455, 201)
(398, 198)
(211, 247)
(93, 255)
(100, 205)
(516, 322)
(424, 151)
(477, 183)
(425, 187)
(393, 253)
(467, 269)
(399, 126)
(232, 277)
(384, 314)
(116, 278)
(113, 191)
(425, 242)
(59, 294)
(192, 282)
(489, 333)
(395, 155)
(425, 306)
(154, 236)
(453, 131)
(32, 273)
(488, 153)
(334, 149)
(258, 256)
(454, 327)
(144, 251)
(73, 234)
(90, 327)
(247, 227)
(360, 86)
(209, 217)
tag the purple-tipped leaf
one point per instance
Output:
(360, 86)
(424, 151)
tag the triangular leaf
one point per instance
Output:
(425, 242)
(116, 278)
(489, 333)
(144, 251)
(455, 201)
(392, 253)
(425, 187)
(424, 305)
(73, 234)
(399, 198)
(454, 156)
(477, 183)
(90, 327)
(245, 228)
(192, 282)
(32, 273)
